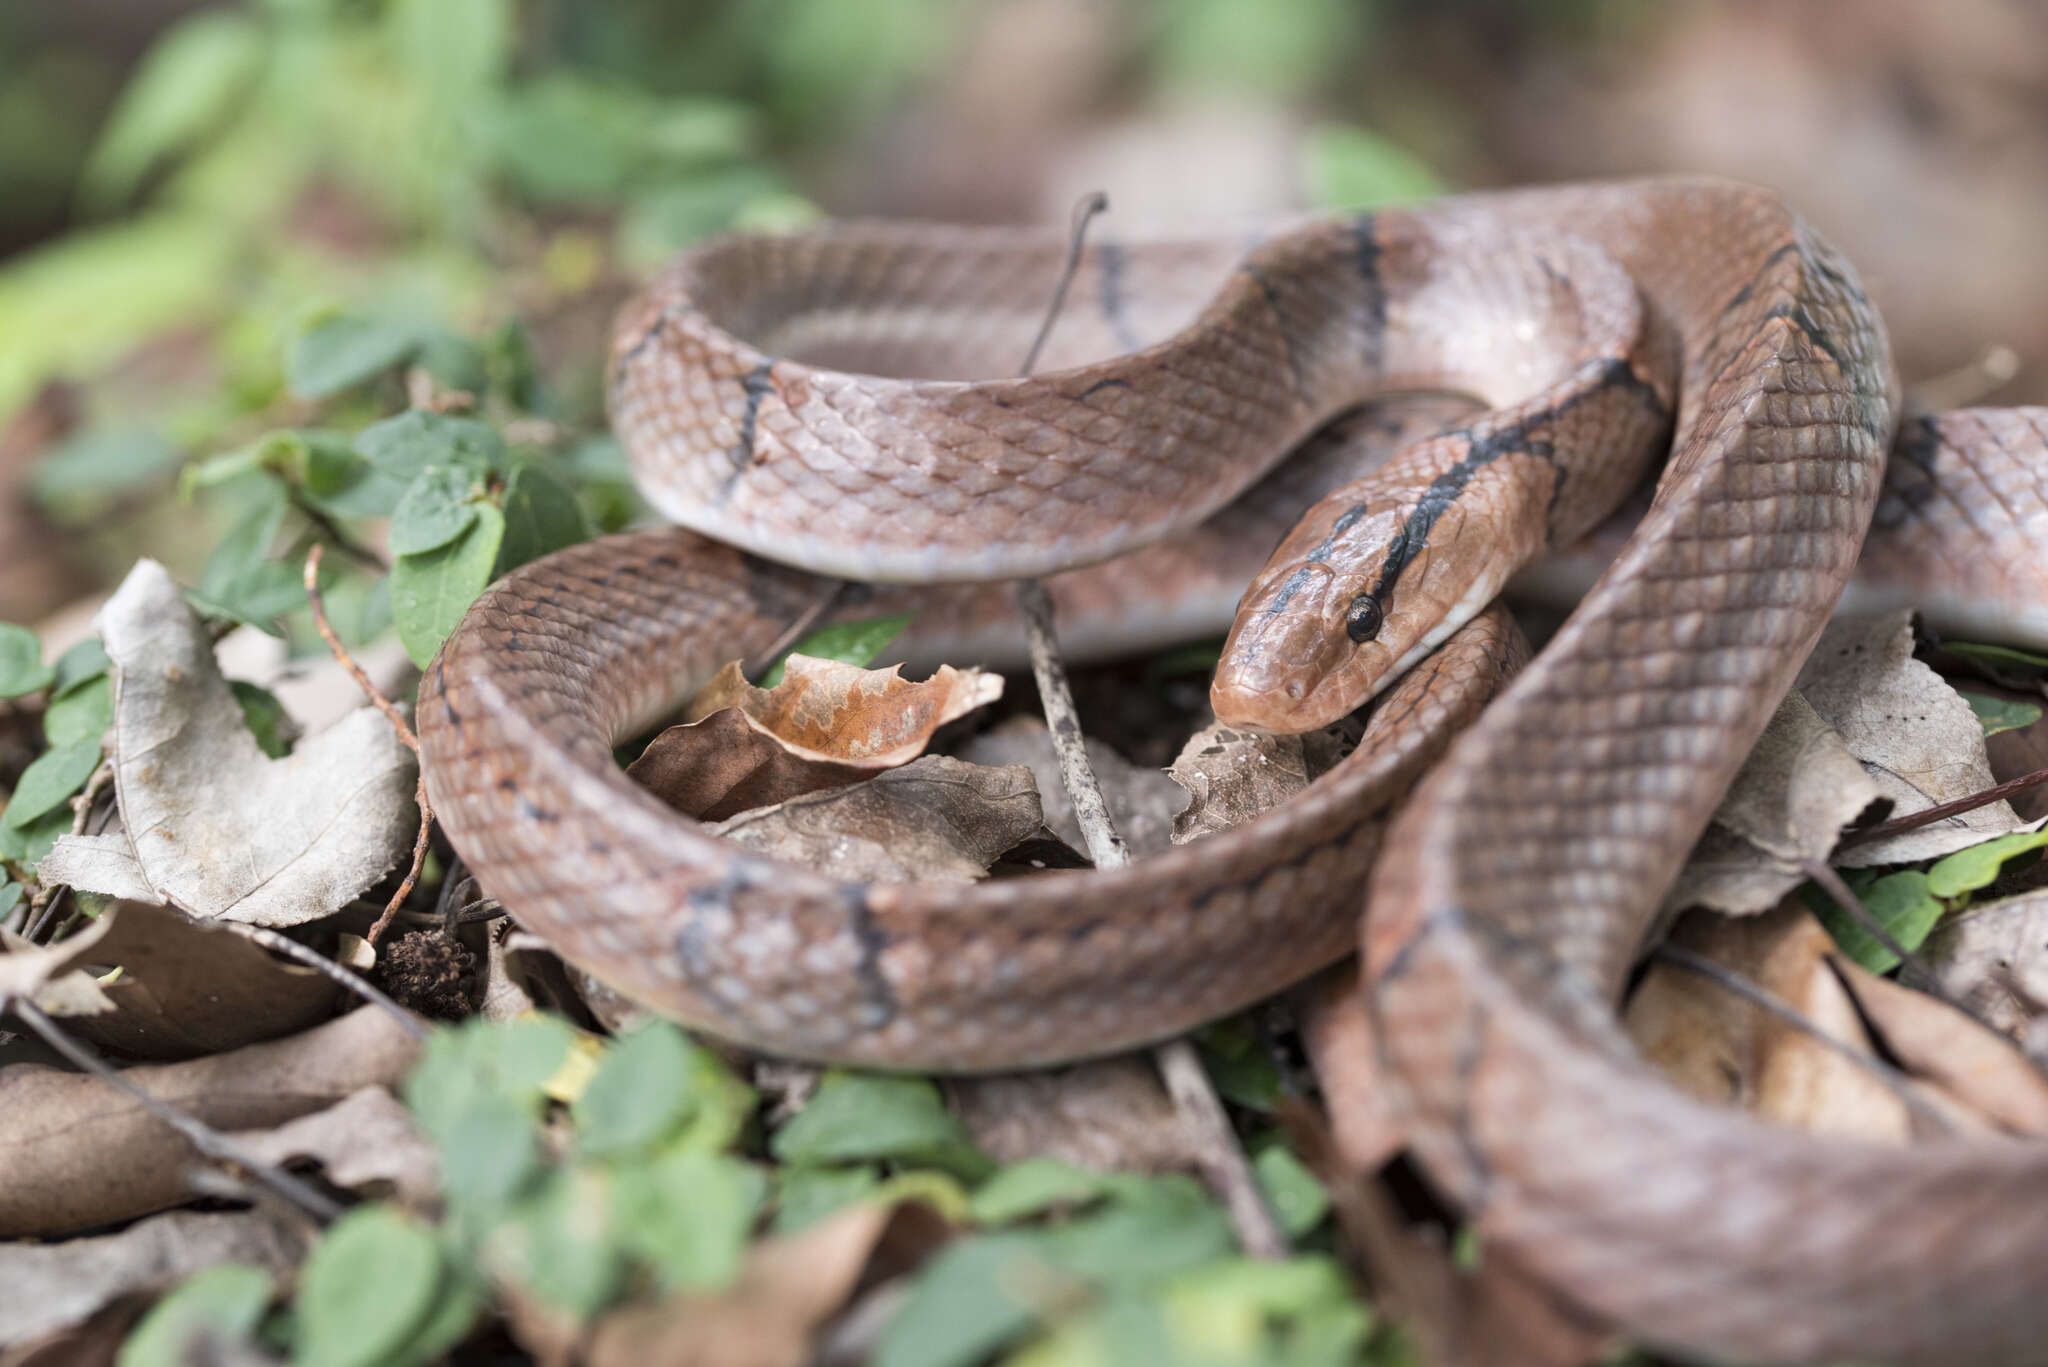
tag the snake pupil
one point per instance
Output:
(1362, 619)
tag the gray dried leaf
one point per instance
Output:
(1142, 802)
(366, 1143)
(1232, 776)
(1994, 960)
(217, 827)
(49, 1287)
(48, 975)
(935, 819)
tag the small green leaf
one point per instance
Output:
(265, 717)
(455, 362)
(977, 1296)
(490, 1153)
(540, 516)
(1151, 1226)
(437, 508)
(21, 662)
(339, 353)
(640, 1094)
(1902, 904)
(1297, 1199)
(1238, 1061)
(191, 79)
(1999, 655)
(2001, 714)
(1350, 168)
(367, 1290)
(1248, 1307)
(562, 1246)
(854, 643)
(1031, 1187)
(85, 474)
(81, 664)
(29, 844)
(10, 898)
(859, 1116)
(86, 711)
(402, 446)
(805, 1195)
(689, 1215)
(514, 1060)
(1978, 866)
(54, 775)
(220, 1305)
(430, 592)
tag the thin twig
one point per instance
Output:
(203, 1137)
(355, 671)
(339, 972)
(337, 535)
(1091, 204)
(1727, 979)
(757, 665)
(412, 875)
(1216, 1145)
(1943, 811)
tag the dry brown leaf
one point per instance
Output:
(1975, 1065)
(1719, 1048)
(1109, 1115)
(826, 725)
(1142, 802)
(1232, 776)
(186, 988)
(365, 1143)
(2023, 750)
(1994, 960)
(933, 820)
(1915, 735)
(80, 1153)
(1337, 1030)
(1789, 803)
(215, 826)
(788, 1287)
(46, 1287)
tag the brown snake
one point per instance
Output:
(1530, 863)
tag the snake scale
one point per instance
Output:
(822, 401)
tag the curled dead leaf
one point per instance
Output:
(1232, 776)
(1994, 960)
(49, 975)
(936, 819)
(366, 1143)
(826, 725)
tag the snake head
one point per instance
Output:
(1375, 577)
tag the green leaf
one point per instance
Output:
(240, 581)
(1234, 1305)
(29, 844)
(1031, 1187)
(82, 713)
(84, 475)
(689, 1215)
(81, 664)
(640, 1094)
(859, 1116)
(1999, 655)
(221, 1305)
(1979, 865)
(367, 1290)
(341, 352)
(1235, 1054)
(265, 717)
(10, 898)
(436, 509)
(1151, 1226)
(514, 1060)
(541, 516)
(1902, 904)
(430, 592)
(806, 1195)
(455, 362)
(562, 1245)
(54, 775)
(975, 1297)
(854, 643)
(2001, 714)
(191, 79)
(402, 446)
(1350, 168)
(490, 1153)
(1297, 1199)
(21, 662)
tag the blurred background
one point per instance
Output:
(220, 220)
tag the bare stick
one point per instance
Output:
(355, 671)
(412, 875)
(1730, 981)
(201, 1136)
(341, 973)
(1943, 811)
(1221, 1157)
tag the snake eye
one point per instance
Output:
(1363, 618)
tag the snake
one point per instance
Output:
(842, 403)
